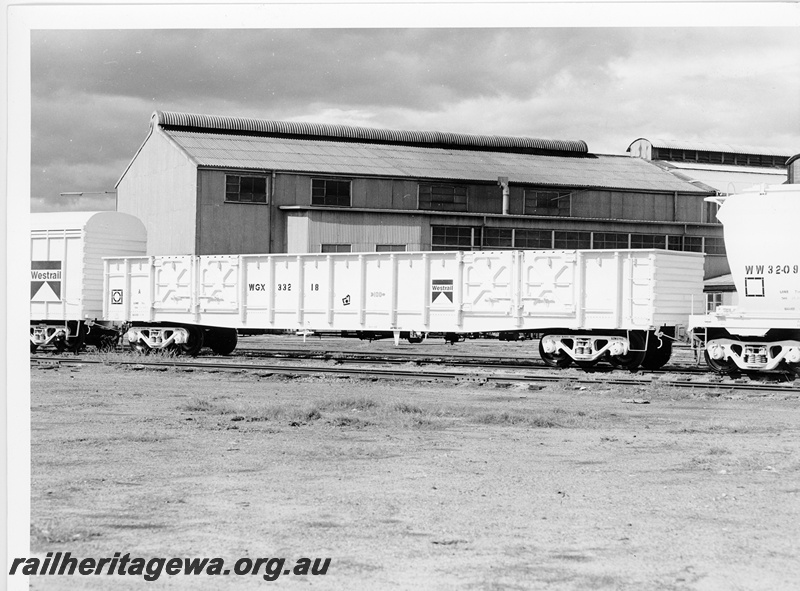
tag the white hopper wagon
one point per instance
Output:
(67, 250)
(762, 332)
(621, 305)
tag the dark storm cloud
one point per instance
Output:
(419, 67)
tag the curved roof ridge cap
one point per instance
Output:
(337, 130)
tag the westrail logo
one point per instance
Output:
(46, 281)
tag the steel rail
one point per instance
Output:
(432, 358)
(373, 373)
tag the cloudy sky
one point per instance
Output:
(93, 91)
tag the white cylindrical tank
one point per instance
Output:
(67, 250)
(761, 238)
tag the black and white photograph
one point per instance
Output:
(486, 296)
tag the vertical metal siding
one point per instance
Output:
(363, 230)
(160, 188)
(229, 228)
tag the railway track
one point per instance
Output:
(456, 360)
(531, 375)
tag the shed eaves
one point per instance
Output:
(335, 158)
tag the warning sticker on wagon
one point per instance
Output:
(45, 281)
(441, 289)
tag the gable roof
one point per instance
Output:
(254, 144)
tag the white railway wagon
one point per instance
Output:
(591, 304)
(762, 332)
(67, 250)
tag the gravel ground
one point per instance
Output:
(413, 485)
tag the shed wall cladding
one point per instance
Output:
(636, 206)
(226, 227)
(160, 188)
(297, 241)
(364, 231)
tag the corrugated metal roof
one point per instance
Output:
(721, 280)
(729, 178)
(246, 125)
(331, 157)
(713, 147)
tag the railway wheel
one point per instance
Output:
(416, 338)
(720, 366)
(139, 347)
(559, 359)
(658, 352)
(635, 355)
(222, 340)
(75, 343)
(107, 342)
(60, 344)
(195, 343)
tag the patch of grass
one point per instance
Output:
(42, 537)
(197, 406)
(363, 411)
(407, 408)
(344, 420)
(360, 403)
(719, 451)
(731, 428)
(513, 418)
(426, 422)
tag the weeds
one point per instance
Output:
(362, 411)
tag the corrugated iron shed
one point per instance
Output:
(252, 152)
(713, 147)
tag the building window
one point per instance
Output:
(327, 248)
(674, 242)
(442, 197)
(330, 192)
(546, 203)
(712, 301)
(648, 241)
(611, 240)
(390, 248)
(455, 238)
(245, 189)
(542, 239)
(714, 245)
(573, 240)
(693, 243)
(498, 237)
